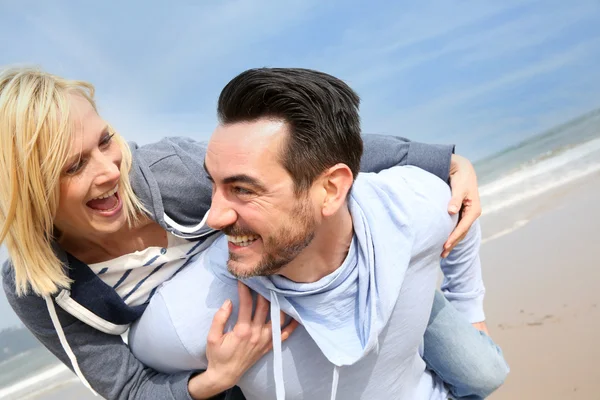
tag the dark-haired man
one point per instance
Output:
(354, 258)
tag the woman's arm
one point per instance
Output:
(383, 152)
(111, 369)
(169, 175)
(105, 360)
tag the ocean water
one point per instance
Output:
(31, 374)
(555, 158)
(562, 155)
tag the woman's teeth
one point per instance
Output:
(242, 241)
(108, 194)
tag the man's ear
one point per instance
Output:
(337, 182)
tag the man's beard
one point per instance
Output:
(279, 248)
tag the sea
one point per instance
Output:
(562, 155)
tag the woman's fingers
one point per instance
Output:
(285, 334)
(256, 330)
(471, 211)
(287, 331)
(262, 311)
(215, 334)
(245, 312)
(258, 323)
(281, 318)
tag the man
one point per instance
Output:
(353, 258)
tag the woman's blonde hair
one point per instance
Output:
(35, 140)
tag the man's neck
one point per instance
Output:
(327, 251)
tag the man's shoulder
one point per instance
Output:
(399, 172)
(406, 185)
(410, 198)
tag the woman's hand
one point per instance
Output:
(231, 354)
(465, 197)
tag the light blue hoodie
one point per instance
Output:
(362, 325)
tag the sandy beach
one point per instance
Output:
(543, 305)
(540, 262)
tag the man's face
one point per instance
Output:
(267, 224)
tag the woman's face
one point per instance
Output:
(90, 205)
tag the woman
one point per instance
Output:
(74, 197)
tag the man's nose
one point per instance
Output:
(221, 214)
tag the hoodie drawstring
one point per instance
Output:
(277, 357)
(334, 384)
(65, 344)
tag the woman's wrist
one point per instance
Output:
(206, 385)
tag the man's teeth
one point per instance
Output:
(104, 196)
(242, 241)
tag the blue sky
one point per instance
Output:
(481, 74)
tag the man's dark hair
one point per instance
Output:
(320, 110)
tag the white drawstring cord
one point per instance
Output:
(65, 344)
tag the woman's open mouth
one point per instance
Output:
(108, 204)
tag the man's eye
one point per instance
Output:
(242, 191)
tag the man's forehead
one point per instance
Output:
(248, 141)
(261, 131)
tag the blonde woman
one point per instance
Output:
(93, 226)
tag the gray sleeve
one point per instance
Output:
(383, 152)
(170, 174)
(105, 360)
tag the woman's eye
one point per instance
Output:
(75, 168)
(107, 139)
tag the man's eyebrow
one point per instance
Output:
(247, 179)
(241, 178)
